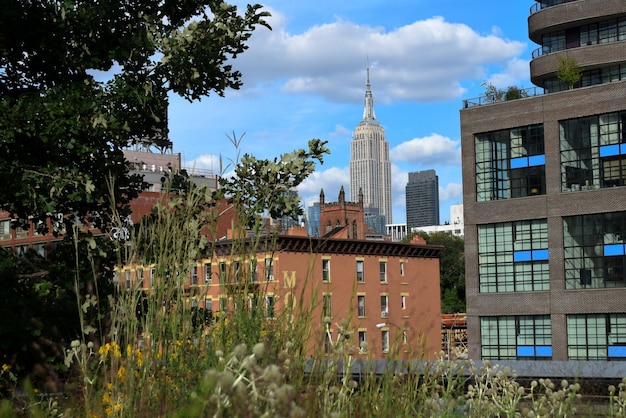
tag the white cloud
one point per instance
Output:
(516, 69)
(451, 191)
(431, 150)
(330, 180)
(426, 60)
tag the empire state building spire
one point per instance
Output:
(368, 111)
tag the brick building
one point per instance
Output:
(388, 291)
(544, 197)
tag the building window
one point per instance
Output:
(361, 305)
(383, 271)
(362, 335)
(326, 270)
(269, 269)
(223, 304)
(326, 306)
(384, 336)
(402, 268)
(41, 248)
(21, 250)
(237, 271)
(127, 279)
(403, 302)
(207, 273)
(152, 278)
(5, 229)
(139, 273)
(254, 274)
(328, 341)
(516, 338)
(269, 306)
(510, 163)
(594, 250)
(194, 275)
(222, 272)
(593, 152)
(596, 337)
(513, 256)
(360, 276)
(208, 305)
(384, 306)
(23, 228)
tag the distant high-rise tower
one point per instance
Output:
(422, 199)
(370, 168)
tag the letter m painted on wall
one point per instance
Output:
(289, 282)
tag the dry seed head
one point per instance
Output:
(258, 350)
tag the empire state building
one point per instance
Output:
(370, 168)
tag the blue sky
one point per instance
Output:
(306, 79)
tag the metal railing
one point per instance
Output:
(502, 96)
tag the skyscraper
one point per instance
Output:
(544, 198)
(422, 199)
(370, 168)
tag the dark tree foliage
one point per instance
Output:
(80, 81)
(39, 312)
(452, 269)
(62, 129)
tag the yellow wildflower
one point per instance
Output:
(121, 373)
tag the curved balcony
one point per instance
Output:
(540, 5)
(586, 57)
(571, 14)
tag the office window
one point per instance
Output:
(383, 271)
(208, 305)
(152, 278)
(5, 229)
(194, 275)
(326, 306)
(403, 302)
(593, 152)
(510, 163)
(127, 279)
(207, 273)
(516, 338)
(384, 336)
(594, 250)
(269, 306)
(360, 276)
(402, 268)
(384, 306)
(513, 256)
(326, 270)
(596, 337)
(361, 305)
(269, 269)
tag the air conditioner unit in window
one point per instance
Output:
(384, 314)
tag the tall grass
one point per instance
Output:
(153, 361)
